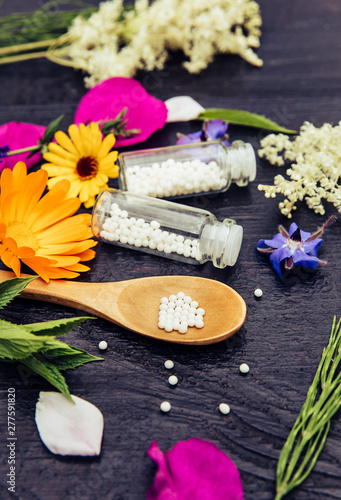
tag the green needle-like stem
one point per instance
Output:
(309, 433)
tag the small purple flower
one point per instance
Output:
(211, 131)
(3, 152)
(294, 248)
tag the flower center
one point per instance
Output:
(294, 245)
(87, 167)
(22, 235)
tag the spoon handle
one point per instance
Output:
(89, 297)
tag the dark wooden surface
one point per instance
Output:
(284, 333)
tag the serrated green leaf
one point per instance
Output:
(49, 372)
(55, 327)
(239, 117)
(51, 129)
(68, 359)
(9, 289)
(17, 343)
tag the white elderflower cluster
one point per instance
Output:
(315, 170)
(116, 41)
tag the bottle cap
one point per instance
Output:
(221, 242)
(233, 245)
(243, 163)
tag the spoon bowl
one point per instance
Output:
(134, 304)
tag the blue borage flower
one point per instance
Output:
(211, 131)
(295, 247)
(3, 152)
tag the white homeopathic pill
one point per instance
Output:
(173, 380)
(244, 368)
(103, 345)
(169, 364)
(258, 292)
(224, 408)
(165, 406)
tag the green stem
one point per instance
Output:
(23, 150)
(22, 57)
(309, 433)
(24, 47)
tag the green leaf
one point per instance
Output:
(239, 117)
(55, 327)
(17, 343)
(69, 358)
(9, 289)
(49, 372)
(51, 129)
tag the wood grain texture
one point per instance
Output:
(284, 333)
(134, 304)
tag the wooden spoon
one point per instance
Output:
(134, 304)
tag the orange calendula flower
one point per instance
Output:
(42, 231)
(84, 159)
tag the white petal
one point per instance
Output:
(182, 109)
(66, 428)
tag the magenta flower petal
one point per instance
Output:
(18, 135)
(194, 470)
(106, 100)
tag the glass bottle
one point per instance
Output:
(165, 228)
(187, 170)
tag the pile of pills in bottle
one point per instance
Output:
(121, 228)
(178, 312)
(175, 178)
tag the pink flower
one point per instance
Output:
(106, 100)
(18, 135)
(194, 470)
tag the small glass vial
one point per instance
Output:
(187, 170)
(165, 228)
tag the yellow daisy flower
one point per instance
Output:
(39, 230)
(84, 159)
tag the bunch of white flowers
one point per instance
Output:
(118, 41)
(315, 157)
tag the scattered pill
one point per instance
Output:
(244, 368)
(165, 406)
(173, 380)
(224, 408)
(258, 292)
(103, 345)
(169, 364)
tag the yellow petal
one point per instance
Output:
(58, 150)
(66, 143)
(57, 170)
(106, 145)
(59, 160)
